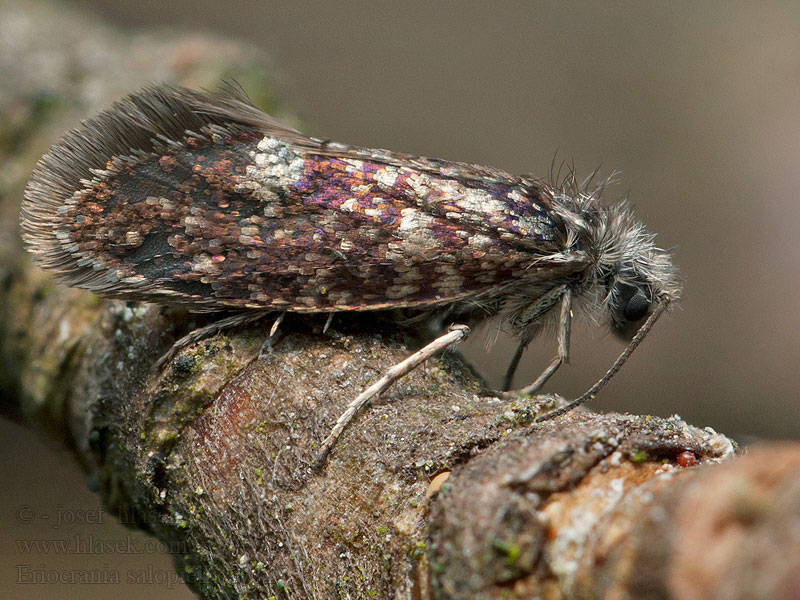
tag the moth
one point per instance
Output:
(202, 200)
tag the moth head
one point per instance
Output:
(638, 276)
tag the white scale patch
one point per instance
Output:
(480, 241)
(276, 166)
(349, 205)
(416, 235)
(470, 200)
(413, 219)
(386, 178)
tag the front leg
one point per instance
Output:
(564, 328)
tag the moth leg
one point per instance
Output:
(512, 366)
(276, 324)
(600, 384)
(328, 323)
(455, 335)
(209, 330)
(564, 328)
(269, 343)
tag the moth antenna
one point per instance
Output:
(601, 383)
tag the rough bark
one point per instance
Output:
(434, 492)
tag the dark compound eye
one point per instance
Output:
(636, 308)
(631, 302)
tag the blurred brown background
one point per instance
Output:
(697, 104)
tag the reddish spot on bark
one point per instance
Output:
(686, 458)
